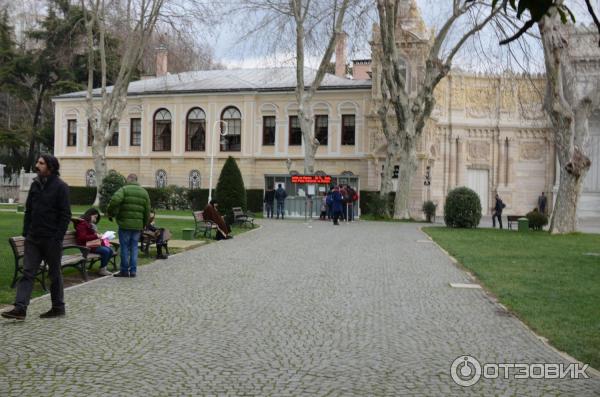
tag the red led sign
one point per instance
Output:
(311, 179)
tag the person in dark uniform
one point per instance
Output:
(498, 207)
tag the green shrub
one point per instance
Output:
(537, 220)
(159, 197)
(177, 198)
(198, 198)
(462, 208)
(110, 184)
(82, 195)
(230, 191)
(429, 208)
(254, 200)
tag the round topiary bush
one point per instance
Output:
(110, 184)
(462, 208)
(537, 220)
(429, 208)
(230, 191)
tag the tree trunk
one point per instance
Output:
(408, 167)
(564, 216)
(99, 153)
(31, 160)
(310, 143)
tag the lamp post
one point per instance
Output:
(212, 154)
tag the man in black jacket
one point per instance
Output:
(47, 216)
(269, 199)
(498, 207)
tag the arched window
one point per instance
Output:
(194, 179)
(161, 178)
(162, 131)
(90, 178)
(232, 141)
(195, 130)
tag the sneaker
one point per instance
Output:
(162, 256)
(16, 314)
(131, 274)
(121, 274)
(54, 312)
(104, 272)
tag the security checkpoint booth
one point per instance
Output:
(305, 193)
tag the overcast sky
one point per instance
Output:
(484, 54)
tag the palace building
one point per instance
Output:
(487, 132)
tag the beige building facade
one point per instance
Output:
(487, 132)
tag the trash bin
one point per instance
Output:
(187, 234)
(523, 224)
(20, 208)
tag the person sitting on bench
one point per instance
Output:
(87, 236)
(212, 214)
(159, 235)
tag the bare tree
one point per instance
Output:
(141, 17)
(413, 109)
(569, 102)
(314, 26)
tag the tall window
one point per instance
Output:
(135, 128)
(90, 178)
(232, 141)
(114, 127)
(161, 178)
(162, 131)
(295, 132)
(348, 129)
(321, 123)
(194, 179)
(268, 130)
(71, 132)
(195, 130)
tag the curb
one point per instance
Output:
(592, 372)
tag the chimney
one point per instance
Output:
(340, 54)
(161, 61)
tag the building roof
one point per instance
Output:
(235, 80)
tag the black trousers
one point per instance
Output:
(499, 216)
(37, 250)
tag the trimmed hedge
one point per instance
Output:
(112, 182)
(230, 191)
(82, 195)
(371, 204)
(254, 200)
(537, 220)
(462, 208)
(198, 198)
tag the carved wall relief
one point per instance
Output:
(478, 151)
(531, 102)
(480, 101)
(531, 151)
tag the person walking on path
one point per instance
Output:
(86, 234)
(542, 200)
(280, 195)
(268, 200)
(352, 197)
(47, 216)
(337, 203)
(498, 207)
(130, 205)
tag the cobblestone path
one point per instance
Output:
(363, 309)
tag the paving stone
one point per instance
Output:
(287, 310)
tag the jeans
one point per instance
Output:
(129, 240)
(350, 211)
(499, 216)
(269, 209)
(38, 250)
(280, 208)
(105, 254)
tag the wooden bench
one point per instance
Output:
(202, 225)
(147, 238)
(242, 218)
(78, 260)
(510, 219)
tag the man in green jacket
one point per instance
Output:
(130, 205)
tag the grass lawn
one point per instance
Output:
(11, 224)
(546, 280)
